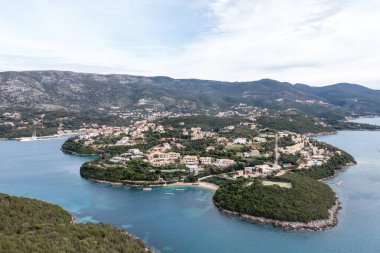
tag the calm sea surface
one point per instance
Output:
(373, 121)
(188, 221)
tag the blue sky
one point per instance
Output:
(316, 42)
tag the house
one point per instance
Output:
(266, 169)
(223, 163)
(123, 141)
(190, 160)
(260, 139)
(317, 157)
(210, 148)
(193, 169)
(89, 142)
(162, 159)
(160, 148)
(118, 159)
(222, 140)
(249, 170)
(240, 141)
(135, 151)
(252, 153)
(311, 163)
(206, 160)
(294, 148)
(160, 129)
(134, 157)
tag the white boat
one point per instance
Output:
(180, 189)
(147, 189)
(169, 193)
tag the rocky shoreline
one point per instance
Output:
(337, 171)
(315, 225)
(320, 134)
(76, 154)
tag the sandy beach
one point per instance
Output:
(210, 186)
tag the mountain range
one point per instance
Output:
(85, 91)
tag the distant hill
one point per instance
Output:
(83, 91)
(353, 97)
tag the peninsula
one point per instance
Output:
(261, 174)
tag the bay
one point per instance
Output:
(188, 221)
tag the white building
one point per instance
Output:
(190, 160)
(223, 163)
(260, 139)
(206, 160)
(240, 141)
(252, 153)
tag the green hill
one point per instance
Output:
(28, 225)
(305, 201)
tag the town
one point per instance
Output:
(179, 151)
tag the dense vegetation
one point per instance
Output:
(294, 123)
(80, 91)
(75, 146)
(345, 125)
(356, 98)
(203, 121)
(47, 122)
(328, 169)
(28, 225)
(307, 200)
(135, 170)
(8, 132)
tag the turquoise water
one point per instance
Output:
(188, 221)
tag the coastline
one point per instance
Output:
(337, 171)
(77, 154)
(320, 134)
(205, 185)
(315, 225)
(199, 184)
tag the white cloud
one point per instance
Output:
(314, 42)
(297, 41)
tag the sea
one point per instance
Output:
(187, 221)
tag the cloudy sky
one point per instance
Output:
(317, 42)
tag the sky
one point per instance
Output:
(316, 42)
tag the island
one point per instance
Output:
(261, 174)
(28, 225)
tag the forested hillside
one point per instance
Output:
(80, 91)
(28, 225)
